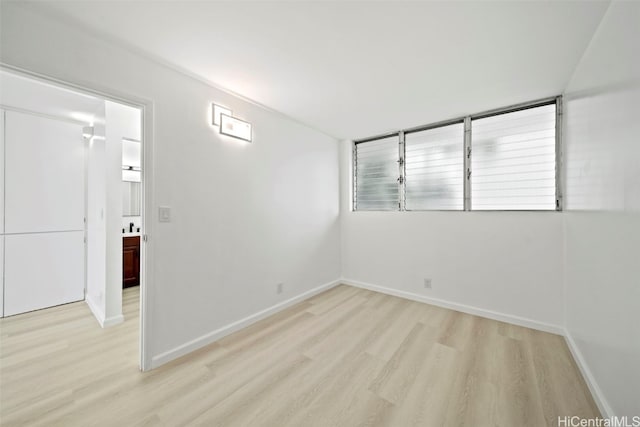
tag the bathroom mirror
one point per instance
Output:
(131, 195)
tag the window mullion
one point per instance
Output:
(354, 177)
(559, 156)
(401, 171)
(467, 163)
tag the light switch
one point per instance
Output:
(164, 213)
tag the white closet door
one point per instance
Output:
(44, 213)
(1, 213)
(44, 174)
(2, 112)
(43, 270)
(2, 275)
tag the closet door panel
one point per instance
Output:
(2, 275)
(43, 270)
(2, 112)
(44, 174)
(1, 213)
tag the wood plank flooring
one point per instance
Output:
(346, 357)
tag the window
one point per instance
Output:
(434, 168)
(514, 160)
(501, 160)
(376, 177)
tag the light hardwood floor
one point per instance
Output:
(346, 357)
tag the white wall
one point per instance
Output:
(104, 210)
(244, 216)
(121, 121)
(602, 156)
(96, 224)
(503, 264)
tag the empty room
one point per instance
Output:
(320, 213)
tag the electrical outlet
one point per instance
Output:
(427, 283)
(279, 288)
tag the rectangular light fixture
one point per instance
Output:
(236, 128)
(217, 111)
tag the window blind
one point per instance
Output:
(434, 169)
(376, 174)
(513, 160)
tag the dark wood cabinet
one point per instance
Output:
(130, 261)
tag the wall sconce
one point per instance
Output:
(217, 111)
(229, 125)
(236, 128)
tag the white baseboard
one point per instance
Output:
(508, 318)
(596, 392)
(213, 336)
(97, 312)
(104, 322)
(113, 320)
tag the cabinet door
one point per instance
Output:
(131, 262)
(44, 174)
(43, 270)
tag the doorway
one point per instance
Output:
(62, 199)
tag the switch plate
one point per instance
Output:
(164, 214)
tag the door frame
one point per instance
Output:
(147, 178)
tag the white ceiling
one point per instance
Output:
(355, 69)
(36, 96)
